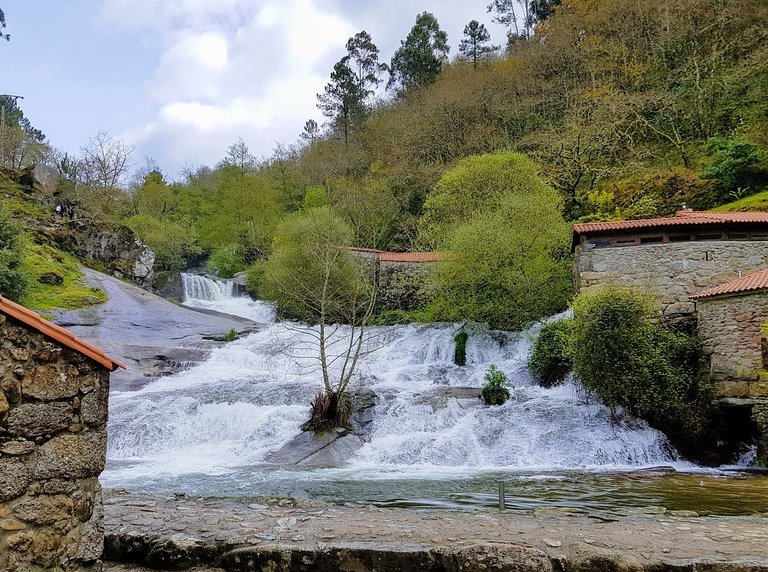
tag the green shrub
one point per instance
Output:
(225, 262)
(552, 355)
(460, 349)
(496, 388)
(254, 278)
(739, 166)
(231, 335)
(13, 280)
(623, 354)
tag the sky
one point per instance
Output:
(181, 80)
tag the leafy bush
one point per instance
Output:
(509, 245)
(254, 278)
(13, 280)
(739, 166)
(552, 355)
(225, 261)
(496, 388)
(460, 349)
(231, 335)
(625, 355)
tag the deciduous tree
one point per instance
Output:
(313, 276)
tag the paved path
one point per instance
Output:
(156, 530)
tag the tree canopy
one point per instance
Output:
(505, 241)
(418, 60)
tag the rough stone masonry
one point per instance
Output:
(53, 414)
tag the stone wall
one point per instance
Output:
(673, 271)
(730, 328)
(53, 414)
(403, 285)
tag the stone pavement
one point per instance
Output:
(180, 532)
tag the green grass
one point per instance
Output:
(70, 295)
(756, 202)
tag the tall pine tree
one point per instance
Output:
(418, 60)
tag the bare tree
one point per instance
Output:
(105, 161)
(313, 276)
(238, 155)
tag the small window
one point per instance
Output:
(679, 237)
(651, 240)
(709, 236)
(626, 242)
(599, 244)
(737, 236)
(759, 236)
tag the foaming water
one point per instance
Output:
(250, 397)
(219, 295)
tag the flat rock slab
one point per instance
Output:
(329, 449)
(144, 331)
(180, 532)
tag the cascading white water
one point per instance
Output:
(197, 287)
(251, 396)
(211, 294)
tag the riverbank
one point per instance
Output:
(181, 533)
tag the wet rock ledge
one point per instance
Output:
(281, 535)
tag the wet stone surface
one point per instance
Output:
(181, 532)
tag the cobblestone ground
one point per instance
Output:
(181, 532)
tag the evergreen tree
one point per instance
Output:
(353, 82)
(475, 45)
(311, 131)
(342, 102)
(363, 60)
(418, 60)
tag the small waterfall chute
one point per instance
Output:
(220, 295)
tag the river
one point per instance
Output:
(208, 430)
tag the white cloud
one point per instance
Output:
(253, 72)
(252, 68)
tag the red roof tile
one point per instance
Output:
(410, 256)
(724, 216)
(681, 218)
(751, 283)
(61, 335)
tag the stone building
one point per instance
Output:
(53, 411)
(732, 320)
(400, 277)
(674, 257)
(705, 266)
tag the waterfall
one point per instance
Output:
(205, 289)
(251, 397)
(211, 294)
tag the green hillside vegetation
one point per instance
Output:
(617, 108)
(44, 263)
(756, 202)
(45, 278)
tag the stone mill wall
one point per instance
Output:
(730, 328)
(672, 271)
(53, 414)
(403, 285)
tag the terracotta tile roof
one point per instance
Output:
(681, 218)
(751, 283)
(61, 335)
(410, 256)
(724, 216)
